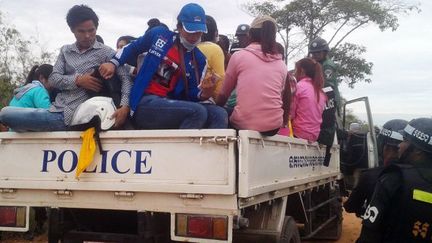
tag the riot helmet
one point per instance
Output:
(390, 135)
(318, 45)
(242, 38)
(242, 29)
(419, 133)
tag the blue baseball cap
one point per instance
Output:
(193, 18)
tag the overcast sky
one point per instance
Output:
(401, 81)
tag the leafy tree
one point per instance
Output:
(6, 88)
(351, 66)
(301, 21)
(17, 56)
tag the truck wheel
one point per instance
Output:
(289, 233)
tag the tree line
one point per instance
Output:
(17, 56)
(301, 21)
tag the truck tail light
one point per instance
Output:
(202, 226)
(11, 216)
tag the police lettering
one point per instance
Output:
(386, 132)
(371, 214)
(305, 161)
(421, 135)
(121, 162)
(330, 104)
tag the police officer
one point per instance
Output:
(243, 39)
(388, 141)
(401, 206)
(318, 50)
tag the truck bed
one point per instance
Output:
(158, 167)
(151, 161)
(278, 162)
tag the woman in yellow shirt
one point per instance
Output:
(213, 52)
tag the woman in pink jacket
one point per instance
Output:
(258, 74)
(309, 100)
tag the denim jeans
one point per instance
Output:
(217, 117)
(154, 112)
(32, 119)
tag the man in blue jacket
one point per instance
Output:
(171, 80)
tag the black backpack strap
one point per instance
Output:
(327, 156)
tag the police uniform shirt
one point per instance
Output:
(362, 192)
(375, 220)
(390, 216)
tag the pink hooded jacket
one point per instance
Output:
(306, 111)
(259, 81)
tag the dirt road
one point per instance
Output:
(351, 228)
(350, 232)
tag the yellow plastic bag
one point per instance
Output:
(88, 149)
(291, 132)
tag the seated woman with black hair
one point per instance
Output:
(258, 73)
(35, 92)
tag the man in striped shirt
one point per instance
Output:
(72, 75)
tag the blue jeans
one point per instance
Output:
(154, 112)
(32, 119)
(217, 117)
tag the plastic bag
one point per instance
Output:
(87, 152)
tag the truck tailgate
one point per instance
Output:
(268, 164)
(169, 161)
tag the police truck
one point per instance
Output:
(172, 185)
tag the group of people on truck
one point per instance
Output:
(189, 79)
(179, 79)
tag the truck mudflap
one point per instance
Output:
(281, 165)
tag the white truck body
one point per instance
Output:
(177, 171)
